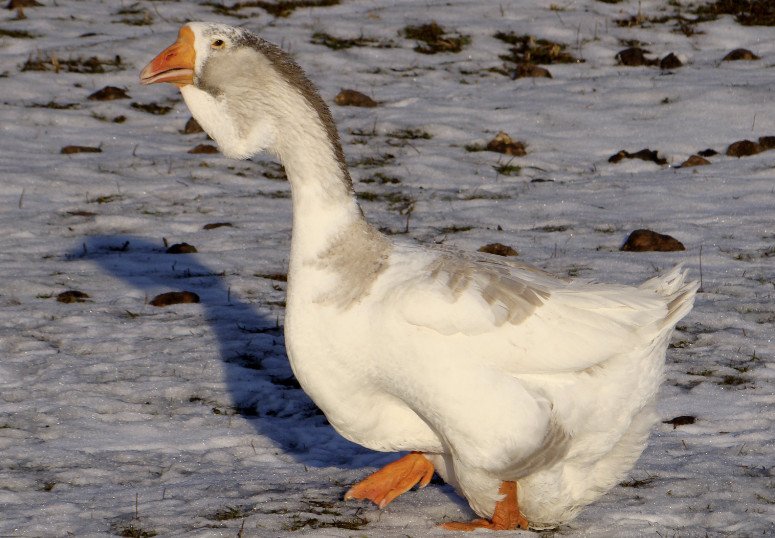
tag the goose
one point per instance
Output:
(531, 395)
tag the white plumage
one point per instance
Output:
(492, 371)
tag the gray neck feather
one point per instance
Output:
(296, 78)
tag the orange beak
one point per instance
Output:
(175, 64)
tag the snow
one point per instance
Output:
(117, 416)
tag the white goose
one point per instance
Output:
(503, 379)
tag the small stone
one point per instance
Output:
(109, 93)
(499, 249)
(174, 297)
(740, 54)
(695, 160)
(530, 71)
(707, 152)
(16, 4)
(743, 148)
(633, 57)
(649, 241)
(72, 296)
(192, 127)
(670, 61)
(181, 248)
(67, 150)
(204, 148)
(503, 143)
(767, 142)
(354, 98)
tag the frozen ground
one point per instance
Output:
(117, 417)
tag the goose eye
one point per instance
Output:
(218, 44)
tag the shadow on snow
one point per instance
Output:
(256, 371)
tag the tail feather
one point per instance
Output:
(678, 292)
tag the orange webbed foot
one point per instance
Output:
(506, 516)
(393, 479)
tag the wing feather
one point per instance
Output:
(523, 319)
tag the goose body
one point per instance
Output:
(507, 381)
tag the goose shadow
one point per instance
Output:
(256, 372)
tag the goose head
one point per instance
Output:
(246, 93)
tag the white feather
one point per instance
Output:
(495, 370)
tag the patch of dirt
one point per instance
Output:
(527, 49)
(56, 106)
(746, 12)
(279, 277)
(72, 296)
(644, 155)
(174, 297)
(109, 93)
(207, 149)
(553, 228)
(455, 229)
(214, 225)
(683, 420)
(743, 148)
(641, 20)
(92, 65)
(410, 134)
(349, 97)
(282, 8)
(192, 127)
(638, 483)
(651, 241)
(434, 39)
(181, 248)
(695, 160)
(229, 512)
(634, 57)
(68, 150)
(503, 143)
(376, 161)
(297, 523)
(671, 61)
(275, 171)
(508, 169)
(15, 4)
(152, 108)
(134, 15)
(499, 249)
(767, 142)
(131, 531)
(16, 34)
(530, 71)
(81, 213)
(106, 199)
(382, 179)
(339, 43)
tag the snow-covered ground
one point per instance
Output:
(118, 417)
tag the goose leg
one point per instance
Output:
(393, 479)
(506, 516)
